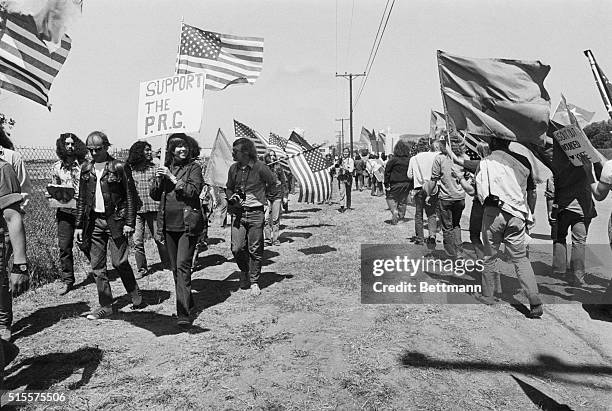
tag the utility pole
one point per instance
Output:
(350, 77)
(342, 133)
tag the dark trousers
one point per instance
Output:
(476, 227)
(359, 182)
(149, 220)
(65, 242)
(580, 227)
(6, 300)
(100, 239)
(348, 185)
(449, 213)
(430, 212)
(180, 254)
(247, 242)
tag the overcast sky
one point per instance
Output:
(118, 44)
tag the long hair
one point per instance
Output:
(423, 145)
(80, 150)
(5, 141)
(246, 146)
(181, 139)
(401, 149)
(136, 158)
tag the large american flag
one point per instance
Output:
(244, 131)
(27, 67)
(311, 171)
(226, 59)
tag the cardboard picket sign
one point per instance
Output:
(171, 105)
(576, 145)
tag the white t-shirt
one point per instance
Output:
(606, 173)
(419, 167)
(99, 203)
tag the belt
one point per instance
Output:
(258, 208)
(98, 215)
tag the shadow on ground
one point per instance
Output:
(547, 366)
(324, 249)
(47, 317)
(41, 372)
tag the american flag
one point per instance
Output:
(226, 59)
(243, 131)
(311, 171)
(27, 67)
(301, 141)
(471, 141)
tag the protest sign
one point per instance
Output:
(171, 105)
(576, 145)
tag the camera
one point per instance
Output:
(234, 202)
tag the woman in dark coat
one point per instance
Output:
(177, 188)
(397, 183)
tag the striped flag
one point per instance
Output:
(226, 59)
(243, 131)
(539, 171)
(27, 67)
(311, 171)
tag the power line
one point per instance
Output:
(368, 70)
(348, 49)
(380, 24)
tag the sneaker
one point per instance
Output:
(536, 311)
(101, 313)
(486, 300)
(183, 322)
(255, 291)
(140, 273)
(65, 289)
(136, 297)
(5, 333)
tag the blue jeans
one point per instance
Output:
(580, 227)
(65, 242)
(430, 212)
(100, 239)
(449, 213)
(272, 218)
(247, 242)
(180, 252)
(147, 220)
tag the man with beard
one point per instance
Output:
(249, 183)
(71, 152)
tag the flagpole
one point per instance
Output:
(450, 125)
(599, 81)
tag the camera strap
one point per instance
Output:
(244, 177)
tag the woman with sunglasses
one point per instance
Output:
(273, 211)
(177, 188)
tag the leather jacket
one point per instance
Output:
(119, 193)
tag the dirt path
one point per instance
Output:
(307, 342)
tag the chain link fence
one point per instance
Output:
(39, 220)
